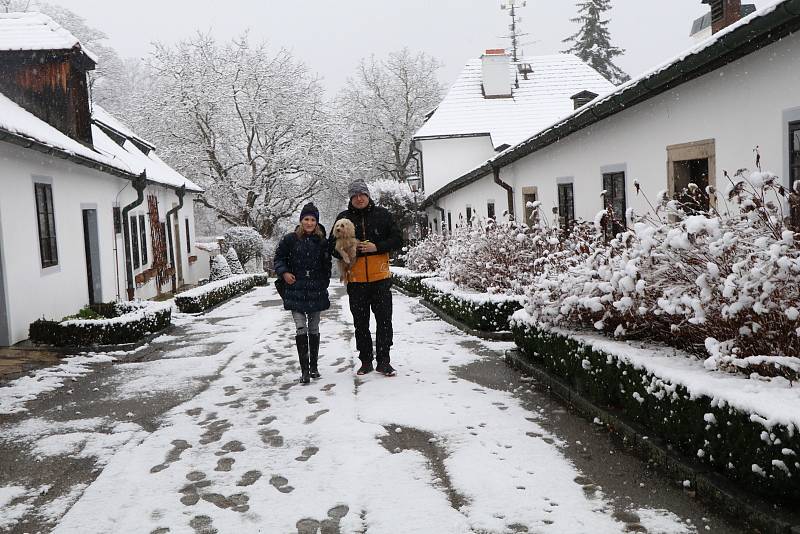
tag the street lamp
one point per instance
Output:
(413, 182)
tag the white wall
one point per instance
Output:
(745, 104)
(444, 160)
(33, 292)
(477, 195)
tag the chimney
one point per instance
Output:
(724, 13)
(495, 65)
(582, 98)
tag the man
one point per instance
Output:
(369, 283)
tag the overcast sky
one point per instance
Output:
(332, 35)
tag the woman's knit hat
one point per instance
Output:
(310, 209)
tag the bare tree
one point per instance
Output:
(380, 109)
(249, 125)
(11, 6)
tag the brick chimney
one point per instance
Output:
(724, 13)
(495, 73)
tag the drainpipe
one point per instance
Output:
(139, 183)
(179, 193)
(508, 188)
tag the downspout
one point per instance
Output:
(179, 193)
(508, 188)
(139, 183)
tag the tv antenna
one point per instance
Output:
(512, 6)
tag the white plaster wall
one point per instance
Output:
(740, 106)
(477, 195)
(444, 160)
(33, 292)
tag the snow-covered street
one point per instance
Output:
(211, 432)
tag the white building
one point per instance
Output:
(683, 122)
(68, 174)
(495, 104)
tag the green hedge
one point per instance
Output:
(199, 299)
(411, 284)
(724, 439)
(482, 316)
(137, 321)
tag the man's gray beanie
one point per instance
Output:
(357, 187)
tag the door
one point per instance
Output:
(5, 336)
(92, 250)
(178, 251)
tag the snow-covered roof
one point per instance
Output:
(765, 25)
(35, 31)
(127, 159)
(536, 103)
(100, 115)
(132, 156)
(16, 120)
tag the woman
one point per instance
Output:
(303, 261)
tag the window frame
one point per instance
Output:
(188, 236)
(134, 235)
(143, 239)
(566, 220)
(490, 210)
(48, 253)
(614, 196)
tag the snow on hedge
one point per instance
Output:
(201, 298)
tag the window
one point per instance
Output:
(48, 247)
(566, 206)
(188, 241)
(117, 213)
(135, 242)
(449, 222)
(794, 169)
(614, 186)
(490, 209)
(143, 239)
(469, 215)
(529, 196)
(690, 170)
(436, 225)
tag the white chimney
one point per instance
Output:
(495, 65)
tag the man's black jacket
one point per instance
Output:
(373, 223)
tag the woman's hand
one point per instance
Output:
(289, 278)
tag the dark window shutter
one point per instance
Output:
(188, 238)
(135, 242)
(45, 216)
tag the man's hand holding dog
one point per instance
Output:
(289, 278)
(367, 247)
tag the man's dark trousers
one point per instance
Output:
(376, 296)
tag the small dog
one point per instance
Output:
(346, 246)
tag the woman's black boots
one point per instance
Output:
(313, 342)
(302, 352)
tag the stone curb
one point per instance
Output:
(709, 487)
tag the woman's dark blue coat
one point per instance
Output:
(309, 260)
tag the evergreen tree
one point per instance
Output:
(592, 42)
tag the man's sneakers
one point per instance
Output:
(386, 369)
(365, 368)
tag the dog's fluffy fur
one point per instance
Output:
(346, 246)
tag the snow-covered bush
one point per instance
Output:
(725, 285)
(246, 241)
(134, 321)
(507, 257)
(220, 269)
(427, 254)
(199, 299)
(233, 261)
